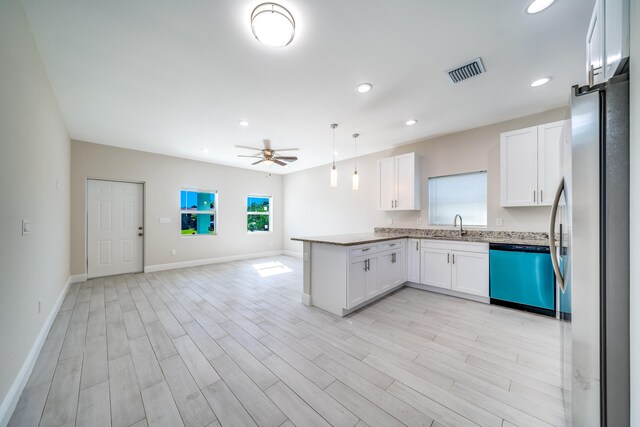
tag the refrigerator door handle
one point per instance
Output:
(552, 237)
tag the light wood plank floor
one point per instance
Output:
(231, 344)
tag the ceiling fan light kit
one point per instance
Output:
(272, 25)
(268, 155)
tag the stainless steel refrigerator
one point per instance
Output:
(589, 239)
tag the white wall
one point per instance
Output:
(635, 213)
(34, 155)
(314, 208)
(163, 177)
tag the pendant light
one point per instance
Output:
(355, 179)
(334, 171)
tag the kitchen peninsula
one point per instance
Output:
(343, 273)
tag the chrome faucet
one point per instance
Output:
(455, 222)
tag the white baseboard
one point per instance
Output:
(452, 293)
(294, 254)
(78, 278)
(11, 399)
(198, 262)
(306, 300)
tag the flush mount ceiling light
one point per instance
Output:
(411, 122)
(364, 87)
(537, 6)
(540, 82)
(243, 123)
(272, 25)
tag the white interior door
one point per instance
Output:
(114, 228)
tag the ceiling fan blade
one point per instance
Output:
(249, 148)
(259, 161)
(278, 162)
(285, 149)
(267, 143)
(253, 157)
(286, 158)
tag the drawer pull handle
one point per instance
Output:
(365, 249)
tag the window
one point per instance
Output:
(258, 214)
(464, 194)
(198, 212)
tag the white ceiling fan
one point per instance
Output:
(268, 155)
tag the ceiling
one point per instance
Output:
(175, 77)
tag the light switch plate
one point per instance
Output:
(499, 222)
(419, 221)
(26, 227)
(164, 220)
(173, 252)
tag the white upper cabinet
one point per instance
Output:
(518, 165)
(530, 166)
(550, 137)
(607, 39)
(399, 182)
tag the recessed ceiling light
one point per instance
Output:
(537, 6)
(335, 153)
(411, 122)
(243, 123)
(364, 87)
(540, 82)
(205, 150)
(272, 25)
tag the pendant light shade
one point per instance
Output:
(355, 179)
(334, 171)
(272, 25)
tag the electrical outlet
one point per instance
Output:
(173, 251)
(390, 221)
(499, 222)
(419, 221)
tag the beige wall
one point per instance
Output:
(163, 177)
(314, 208)
(34, 155)
(635, 212)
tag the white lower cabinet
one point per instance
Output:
(374, 270)
(357, 283)
(436, 267)
(457, 266)
(413, 260)
(470, 273)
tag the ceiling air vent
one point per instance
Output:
(466, 71)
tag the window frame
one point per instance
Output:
(215, 211)
(270, 213)
(465, 225)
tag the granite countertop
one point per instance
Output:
(479, 236)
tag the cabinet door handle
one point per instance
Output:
(392, 244)
(365, 249)
(540, 196)
(416, 245)
(453, 259)
(447, 258)
(393, 258)
(534, 196)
